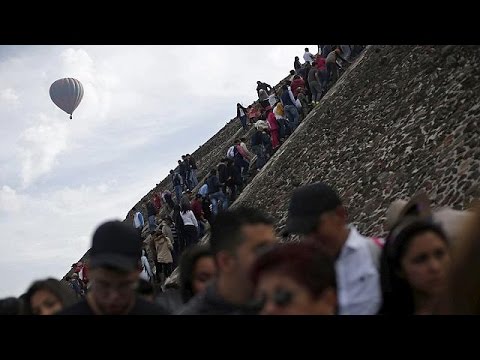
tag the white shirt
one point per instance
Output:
(189, 218)
(137, 221)
(241, 112)
(308, 57)
(358, 279)
(291, 94)
(272, 99)
(146, 273)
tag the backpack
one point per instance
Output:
(231, 152)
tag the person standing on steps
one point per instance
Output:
(307, 56)
(296, 64)
(138, 220)
(177, 185)
(264, 86)
(242, 116)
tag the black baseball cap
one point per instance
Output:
(307, 204)
(116, 245)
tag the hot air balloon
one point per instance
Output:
(67, 94)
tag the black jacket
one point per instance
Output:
(238, 111)
(151, 211)
(170, 300)
(213, 184)
(176, 180)
(182, 169)
(234, 175)
(265, 87)
(257, 138)
(210, 303)
(141, 307)
(222, 173)
(297, 65)
(192, 163)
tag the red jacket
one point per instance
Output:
(320, 64)
(157, 202)
(242, 152)
(272, 121)
(197, 208)
(296, 83)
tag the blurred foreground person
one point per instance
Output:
(317, 214)
(295, 279)
(463, 293)
(414, 269)
(11, 306)
(237, 237)
(114, 274)
(48, 297)
(197, 268)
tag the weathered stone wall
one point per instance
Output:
(401, 119)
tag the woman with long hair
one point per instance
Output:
(414, 269)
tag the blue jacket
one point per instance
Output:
(286, 100)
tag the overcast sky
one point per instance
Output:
(143, 107)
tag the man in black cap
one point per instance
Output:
(114, 274)
(316, 212)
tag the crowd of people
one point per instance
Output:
(275, 117)
(427, 264)
(279, 110)
(245, 268)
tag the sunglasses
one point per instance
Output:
(280, 298)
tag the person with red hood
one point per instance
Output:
(320, 63)
(157, 202)
(321, 66)
(273, 126)
(255, 112)
(297, 83)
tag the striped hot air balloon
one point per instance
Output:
(67, 94)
